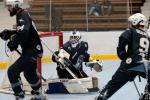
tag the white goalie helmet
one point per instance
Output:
(138, 19)
(14, 3)
(75, 36)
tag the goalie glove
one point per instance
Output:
(95, 64)
(60, 54)
(62, 57)
(63, 54)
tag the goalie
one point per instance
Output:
(78, 54)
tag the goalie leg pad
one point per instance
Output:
(57, 87)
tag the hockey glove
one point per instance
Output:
(5, 34)
(12, 45)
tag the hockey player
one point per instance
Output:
(77, 50)
(133, 47)
(27, 37)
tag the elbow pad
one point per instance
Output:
(121, 53)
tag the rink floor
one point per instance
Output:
(127, 92)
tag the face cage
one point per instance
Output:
(74, 39)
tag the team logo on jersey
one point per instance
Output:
(21, 20)
(69, 48)
(85, 45)
(38, 47)
(129, 60)
(20, 28)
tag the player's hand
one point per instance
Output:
(5, 34)
(12, 45)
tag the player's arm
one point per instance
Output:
(121, 48)
(7, 34)
(23, 25)
(83, 48)
(21, 36)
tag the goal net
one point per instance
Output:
(51, 41)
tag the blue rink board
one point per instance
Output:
(127, 92)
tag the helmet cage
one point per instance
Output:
(75, 37)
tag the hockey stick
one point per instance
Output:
(18, 51)
(136, 88)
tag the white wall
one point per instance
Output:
(102, 42)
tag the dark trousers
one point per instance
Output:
(120, 78)
(26, 64)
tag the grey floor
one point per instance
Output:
(127, 92)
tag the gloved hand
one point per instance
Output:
(5, 34)
(12, 45)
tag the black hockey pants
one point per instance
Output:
(26, 64)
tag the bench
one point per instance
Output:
(74, 14)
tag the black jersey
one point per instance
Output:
(75, 52)
(27, 35)
(133, 43)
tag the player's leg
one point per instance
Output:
(120, 78)
(63, 73)
(14, 77)
(146, 94)
(32, 77)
